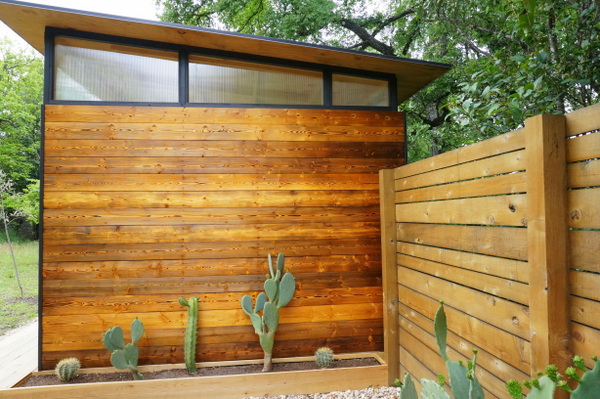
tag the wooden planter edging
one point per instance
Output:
(220, 387)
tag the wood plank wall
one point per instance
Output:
(583, 216)
(144, 205)
(464, 235)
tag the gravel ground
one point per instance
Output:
(368, 393)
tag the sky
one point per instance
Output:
(143, 9)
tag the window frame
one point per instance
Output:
(183, 79)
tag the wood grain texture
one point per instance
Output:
(143, 205)
(547, 236)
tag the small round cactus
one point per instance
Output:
(66, 369)
(324, 357)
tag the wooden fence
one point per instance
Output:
(507, 233)
(143, 205)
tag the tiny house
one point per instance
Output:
(176, 158)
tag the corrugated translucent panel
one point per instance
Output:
(94, 71)
(237, 82)
(358, 91)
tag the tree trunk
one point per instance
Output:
(268, 365)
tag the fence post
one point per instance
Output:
(389, 273)
(547, 235)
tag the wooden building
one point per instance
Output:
(176, 158)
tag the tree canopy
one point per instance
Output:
(513, 59)
(21, 82)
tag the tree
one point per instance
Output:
(513, 59)
(21, 82)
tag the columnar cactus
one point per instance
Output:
(124, 356)
(189, 348)
(324, 357)
(279, 292)
(67, 369)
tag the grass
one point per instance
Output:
(14, 310)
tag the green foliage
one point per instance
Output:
(21, 82)
(463, 380)
(124, 356)
(588, 384)
(279, 291)
(513, 59)
(67, 369)
(191, 333)
(324, 357)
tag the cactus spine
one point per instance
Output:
(324, 357)
(67, 369)
(124, 356)
(189, 348)
(279, 292)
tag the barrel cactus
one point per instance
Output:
(324, 357)
(264, 316)
(67, 369)
(189, 348)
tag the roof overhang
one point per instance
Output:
(30, 20)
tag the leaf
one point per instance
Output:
(117, 359)
(137, 330)
(271, 316)
(256, 323)
(246, 302)
(408, 390)
(260, 302)
(440, 325)
(287, 287)
(271, 289)
(131, 353)
(113, 338)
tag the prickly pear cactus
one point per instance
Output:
(463, 380)
(191, 331)
(67, 369)
(408, 390)
(589, 384)
(433, 390)
(324, 357)
(124, 356)
(279, 291)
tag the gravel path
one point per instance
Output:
(368, 393)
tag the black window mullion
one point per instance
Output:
(327, 88)
(184, 77)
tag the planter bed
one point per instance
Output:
(240, 384)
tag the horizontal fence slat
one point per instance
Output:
(505, 163)
(503, 184)
(207, 250)
(204, 267)
(584, 174)
(213, 216)
(583, 120)
(221, 149)
(585, 284)
(509, 348)
(210, 182)
(503, 314)
(508, 142)
(583, 147)
(507, 289)
(208, 233)
(584, 209)
(501, 210)
(491, 265)
(218, 131)
(244, 165)
(507, 242)
(202, 199)
(585, 311)
(584, 248)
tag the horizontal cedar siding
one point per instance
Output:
(144, 205)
